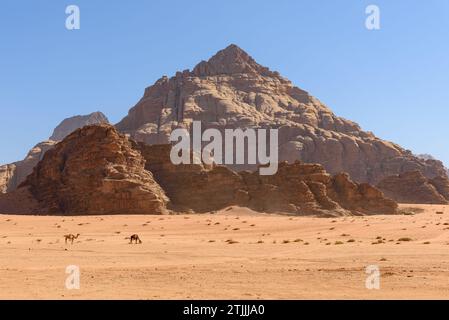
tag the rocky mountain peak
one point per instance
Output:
(231, 90)
(229, 61)
(69, 125)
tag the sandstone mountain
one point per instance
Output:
(414, 187)
(96, 170)
(232, 90)
(69, 125)
(11, 175)
(90, 173)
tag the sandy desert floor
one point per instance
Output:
(232, 254)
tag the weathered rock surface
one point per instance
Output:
(192, 187)
(95, 170)
(441, 184)
(297, 188)
(12, 175)
(414, 187)
(6, 176)
(309, 189)
(21, 202)
(231, 90)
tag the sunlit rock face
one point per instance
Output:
(95, 170)
(231, 90)
(12, 175)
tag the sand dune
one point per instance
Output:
(231, 254)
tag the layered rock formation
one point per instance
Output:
(309, 189)
(441, 184)
(231, 90)
(6, 176)
(192, 187)
(296, 188)
(95, 170)
(12, 175)
(414, 187)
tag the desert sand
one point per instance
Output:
(231, 254)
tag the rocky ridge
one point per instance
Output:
(12, 175)
(96, 170)
(297, 188)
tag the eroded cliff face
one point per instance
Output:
(192, 187)
(231, 90)
(7, 172)
(298, 188)
(414, 187)
(12, 175)
(95, 170)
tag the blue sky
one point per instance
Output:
(393, 81)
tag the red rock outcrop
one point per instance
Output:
(441, 184)
(95, 170)
(414, 187)
(231, 90)
(296, 188)
(12, 175)
(192, 187)
(308, 189)
(359, 197)
(20, 202)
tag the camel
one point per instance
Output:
(135, 238)
(71, 237)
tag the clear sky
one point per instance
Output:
(393, 81)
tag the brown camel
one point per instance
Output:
(135, 238)
(71, 237)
